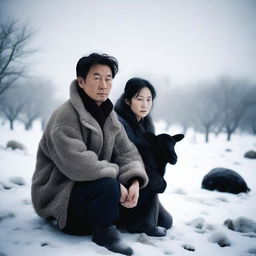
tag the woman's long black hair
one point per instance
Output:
(132, 88)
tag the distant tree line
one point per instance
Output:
(28, 100)
(223, 105)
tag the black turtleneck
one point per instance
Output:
(100, 113)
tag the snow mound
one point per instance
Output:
(241, 224)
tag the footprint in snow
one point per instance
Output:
(6, 187)
(220, 239)
(144, 239)
(251, 251)
(188, 247)
(241, 224)
(44, 244)
(200, 225)
(4, 215)
(17, 180)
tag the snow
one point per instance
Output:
(199, 215)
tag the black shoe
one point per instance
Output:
(109, 237)
(157, 231)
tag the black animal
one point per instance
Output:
(160, 151)
(224, 180)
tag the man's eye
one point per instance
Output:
(96, 78)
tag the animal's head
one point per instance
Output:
(163, 145)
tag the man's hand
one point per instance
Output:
(124, 194)
(133, 195)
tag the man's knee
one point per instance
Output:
(110, 186)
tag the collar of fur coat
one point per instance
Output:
(85, 116)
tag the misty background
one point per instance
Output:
(199, 55)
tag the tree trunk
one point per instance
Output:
(11, 124)
(229, 135)
(207, 130)
(253, 130)
(184, 128)
(28, 124)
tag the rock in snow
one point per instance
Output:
(241, 224)
(13, 144)
(224, 180)
(250, 154)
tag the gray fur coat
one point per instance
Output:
(74, 148)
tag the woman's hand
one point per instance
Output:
(133, 195)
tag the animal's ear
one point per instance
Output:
(178, 137)
(150, 136)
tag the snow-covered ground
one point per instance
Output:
(198, 214)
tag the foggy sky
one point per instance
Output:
(184, 41)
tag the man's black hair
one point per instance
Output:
(85, 63)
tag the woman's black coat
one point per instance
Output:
(135, 131)
(149, 212)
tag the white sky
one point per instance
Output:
(180, 40)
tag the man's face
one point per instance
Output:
(98, 83)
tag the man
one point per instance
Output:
(86, 166)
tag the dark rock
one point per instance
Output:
(224, 180)
(250, 154)
(13, 144)
(17, 180)
(241, 224)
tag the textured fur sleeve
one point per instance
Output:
(74, 160)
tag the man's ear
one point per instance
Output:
(127, 101)
(80, 81)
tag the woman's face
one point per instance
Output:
(141, 103)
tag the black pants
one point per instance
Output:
(96, 204)
(92, 204)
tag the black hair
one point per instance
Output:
(85, 63)
(132, 88)
(134, 85)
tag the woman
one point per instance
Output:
(133, 108)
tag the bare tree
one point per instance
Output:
(236, 97)
(205, 108)
(40, 101)
(28, 100)
(14, 49)
(248, 122)
(11, 104)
